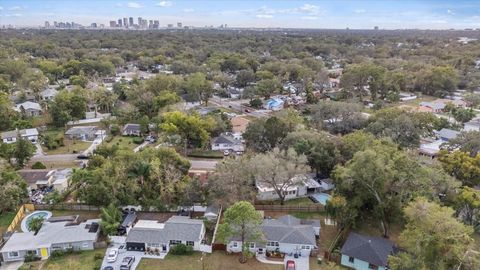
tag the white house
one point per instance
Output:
(48, 94)
(227, 141)
(29, 108)
(473, 125)
(58, 178)
(55, 234)
(287, 234)
(150, 234)
(131, 130)
(30, 134)
(300, 186)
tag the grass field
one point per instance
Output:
(125, 143)
(84, 260)
(5, 220)
(70, 147)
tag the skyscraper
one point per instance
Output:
(125, 22)
(179, 24)
(119, 23)
(130, 21)
(47, 24)
(139, 21)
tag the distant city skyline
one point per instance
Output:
(339, 14)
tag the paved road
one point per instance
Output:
(196, 164)
(236, 105)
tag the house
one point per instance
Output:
(239, 124)
(326, 184)
(406, 96)
(287, 234)
(58, 179)
(363, 252)
(433, 107)
(274, 104)
(131, 130)
(84, 133)
(129, 219)
(150, 234)
(473, 125)
(30, 134)
(301, 186)
(29, 108)
(446, 134)
(55, 234)
(211, 213)
(431, 149)
(48, 94)
(227, 141)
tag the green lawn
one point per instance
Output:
(299, 201)
(5, 220)
(125, 143)
(79, 261)
(70, 147)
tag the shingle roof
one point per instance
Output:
(448, 133)
(176, 228)
(291, 230)
(29, 105)
(225, 139)
(22, 132)
(32, 176)
(374, 250)
(131, 127)
(81, 130)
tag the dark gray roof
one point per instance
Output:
(131, 127)
(291, 230)
(374, 250)
(224, 139)
(176, 228)
(129, 219)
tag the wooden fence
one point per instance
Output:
(20, 215)
(291, 208)
(67, 206)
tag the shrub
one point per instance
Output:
(31, 258)
(256, 103)
(137, 140)
(181, 249)
(98, 256)
(108, 139)
(115, 129)
(38, 166)
(205, 154)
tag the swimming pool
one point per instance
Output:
(320, 198)
(26, 221)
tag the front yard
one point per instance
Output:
(123, 142)
(69, 147)
(85, 260)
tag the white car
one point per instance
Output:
(112, 255)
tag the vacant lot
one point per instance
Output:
(125, 143)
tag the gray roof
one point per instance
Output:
(52, 233)
(448, 133)
(374, 250)
(474, 122)
(291, 230)
(176, 228)
(32, 176)
(29, 105)
(131, 127)
(81, 130)
(433, 105)
(222, 139)
(22, 132)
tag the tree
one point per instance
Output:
(13, 189)
(267, 87)
(198, 88)
(468, 207)
(111, 218)
(7, 112)
(461, 166)
(472, 99)
(437, 81)
(338, 208)
(381, 179)
(357, 77)
(263, 135)
(67, 106)
(279, 170)
(244, 77)
(35, 224)
(232, 181)
(434, 239)
(193, 129)
(467, 142)
(337, 117)
(463, 115)
(23, 151)
(241, 221)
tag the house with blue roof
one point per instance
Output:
(274, 104)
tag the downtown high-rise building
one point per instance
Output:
(125, 22)
(47, 24)
(130, 21)
(119, 24)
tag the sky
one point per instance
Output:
(339, 14)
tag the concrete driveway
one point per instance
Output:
(301, 263)
(122, 253)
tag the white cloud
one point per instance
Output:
(15, 8)
(359, 11)
(451, 12)
(309, 9)
(134, 5)
(164, 4)
(13, 15)
(309, 18)
(188, 10)
(264, 16)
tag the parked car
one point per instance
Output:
(226, 152)
(290, 265)
(127, 263)
(108, 268)
(82, 156)
(112, 255)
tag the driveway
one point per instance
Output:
(301, 263)
(11, 265)
(122, 253)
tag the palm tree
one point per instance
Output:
(111, 218)
(35, 224)
(141, 171)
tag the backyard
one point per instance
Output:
(5, 220)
